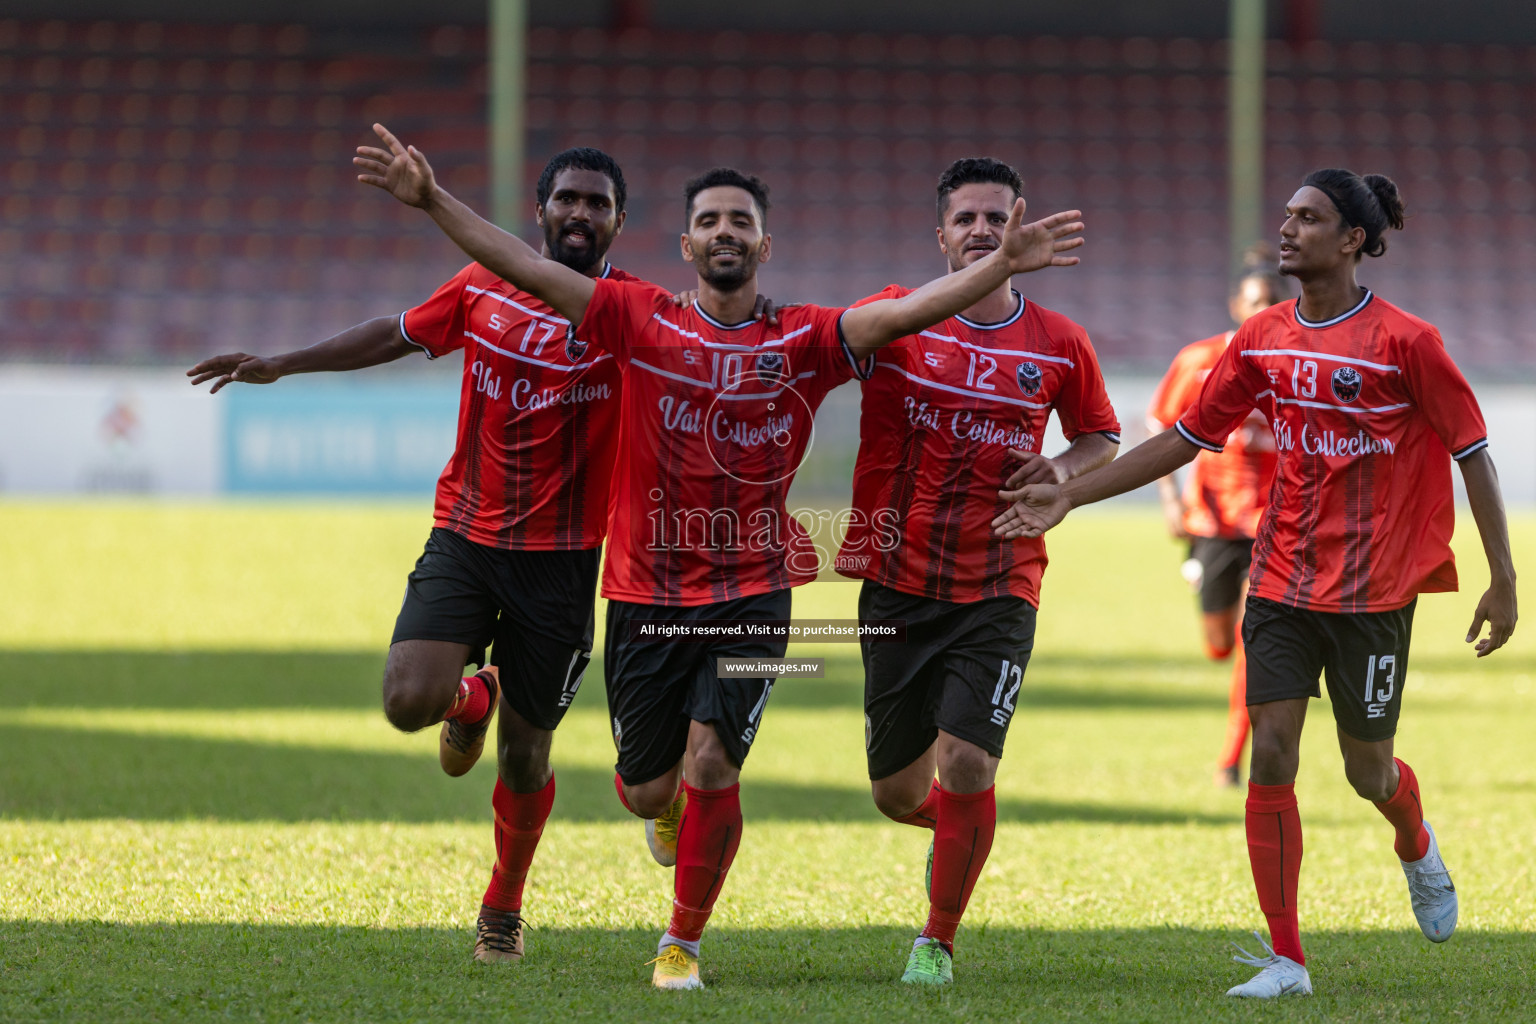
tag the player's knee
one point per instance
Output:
(894, 803)
(966, 769)
(407, 704)
(1371, 781)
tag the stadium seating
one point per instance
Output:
(179, 188)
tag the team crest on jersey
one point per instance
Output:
(1346, 383)
(1029, 378)
(574, 348)
(770, 367)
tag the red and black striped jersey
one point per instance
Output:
(716, 419)
(538, 417)
(939, 415)
(1368, 411)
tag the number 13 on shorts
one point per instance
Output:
(1377, 698)
(1003, 693)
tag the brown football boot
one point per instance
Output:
(498, 935)
(460, 743)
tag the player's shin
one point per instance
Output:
(962, 839)
(520, 819)
(1237, 716)
(1274, 853)
(706, 845)
(1405, 810)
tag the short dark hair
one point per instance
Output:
(976, 170)
(582, 158)
(726, 176)
(1370, 202)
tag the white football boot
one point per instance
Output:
(1430, 889)
(1278, 975)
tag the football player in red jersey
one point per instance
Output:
(1368, 412)
(948, 414)
(1223, 498)
(716, 418)
(512, 559)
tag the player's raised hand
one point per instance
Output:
(237, 366)
(1034, 509)
(400, 170)
(1040, 244)
(1034, 468)
(1497, 609)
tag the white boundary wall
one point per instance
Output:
(104, 430)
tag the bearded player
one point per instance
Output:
(1223, 498)
(512, 558)
(716, 419)
(948, 414)
(1368, 412)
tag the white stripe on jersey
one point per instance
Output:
(1331, 357)
(960, 391)
(997, 351)
(513, 302)
(536, 362)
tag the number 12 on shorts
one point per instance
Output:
(1376, 700)
(1003, 694)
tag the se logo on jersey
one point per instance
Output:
(1029, 378)
(1346, 384)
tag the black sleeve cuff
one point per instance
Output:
(1475, 446)
(1200, 442)
(864, 370)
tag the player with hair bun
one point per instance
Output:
(1368, 411)
(1224, 496)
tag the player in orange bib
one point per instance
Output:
(1368, 412)
(1223, 498)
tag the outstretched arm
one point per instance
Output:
(1038, 507)
(404, 173)
(1025, 247)
(1497, 606)
(368, 344)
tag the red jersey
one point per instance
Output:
(1226, 491)
(716, 419)
(537, 417)
(1364, 409)
(939, 414)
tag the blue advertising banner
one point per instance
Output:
(319, 437)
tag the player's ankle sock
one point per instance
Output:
(472, 702)
(1237, 710)
(1274, 853)
(1405, 811)
(961, 841)
(706, 845)
(927, 815)
(689, 946)
(520, 819)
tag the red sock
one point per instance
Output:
(1274, 853)
(706, 845)
(473, 701)
(961, 841)
(520, 819)
(1406, 813)
(1237, 710)
(927, 815)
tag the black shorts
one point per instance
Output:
(959, 670)
(1224, 563)
(1364, 656)
(535, 607)
(656, 687)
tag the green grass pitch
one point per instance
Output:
(203, 814)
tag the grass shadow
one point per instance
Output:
(157, 778)
(89, 970)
